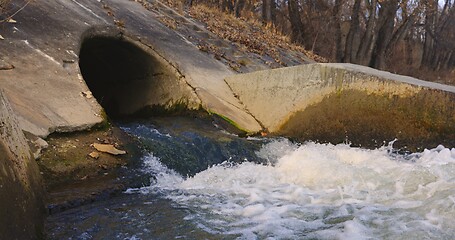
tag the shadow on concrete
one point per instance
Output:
(124, 76)
(112, 67)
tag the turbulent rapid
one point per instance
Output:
(318, 191)
(200, 182)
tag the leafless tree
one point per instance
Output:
(297, 30)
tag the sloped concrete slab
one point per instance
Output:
(203, 73)
(45, 85)
(339, 102)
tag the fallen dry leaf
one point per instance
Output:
(94, 155)
(251, 34)
(108, 148)
(104, 167)
(87, 94)
(5, 66)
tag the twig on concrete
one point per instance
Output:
(20, 9)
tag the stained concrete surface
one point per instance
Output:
(45, 87)
(21, 190)
(345, 102)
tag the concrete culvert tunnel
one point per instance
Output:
(126, 78)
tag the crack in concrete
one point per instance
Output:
(90, 11)
(245, 108)
(41, 53)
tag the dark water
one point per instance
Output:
(128, 216)
(190, 145)
(204, 183)
(186, 145)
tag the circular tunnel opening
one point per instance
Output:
(124, 77)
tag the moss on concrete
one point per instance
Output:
(425, 119)
(21, 191)
(105, 124)
(231, 125)
(22, 207)
(180, 107)
(67, 157)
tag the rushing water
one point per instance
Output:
(285, 191)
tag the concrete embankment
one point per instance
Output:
(62, 62)
(130, 62)
(122, 42)
(346, 102)
(65, 58)
(21, 190)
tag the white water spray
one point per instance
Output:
(320, 191)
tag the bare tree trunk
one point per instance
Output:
(409, 51)
(430, 21)
(268, 11)
(445, 63)
(226, 6)
(238, 6)
(387, 15)
(402, 30)
(297, 31)
(350, 49)
(369, 37)
(451, 61)
(339, 56)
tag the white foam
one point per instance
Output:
(321, 191)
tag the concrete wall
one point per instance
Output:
(335, 102)
(21, 191)
(49, 94)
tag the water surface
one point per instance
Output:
(271, 189)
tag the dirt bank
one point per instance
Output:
(76, 173)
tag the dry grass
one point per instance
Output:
(439, 76)
(248, 33)
(169, 22)
(444, 76)
(397, 63)
(3, 5)
(177, 5)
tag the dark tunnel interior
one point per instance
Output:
(117, 72)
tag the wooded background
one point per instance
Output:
(409, 37)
